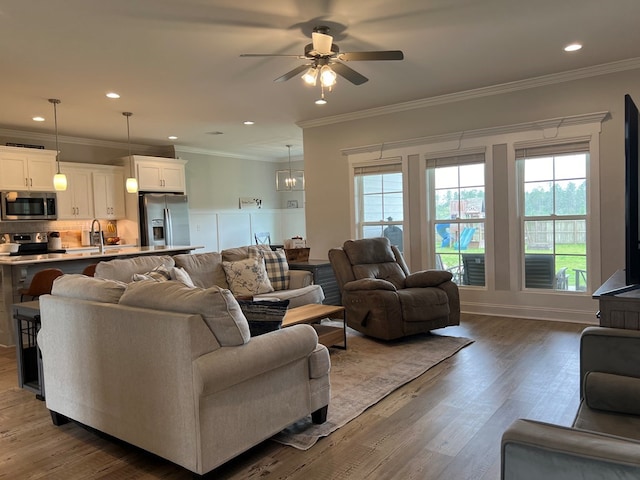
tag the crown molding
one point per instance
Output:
(542, 125)
(554, 78)
(47, 137)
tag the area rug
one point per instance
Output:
(365, 373)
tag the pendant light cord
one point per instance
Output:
(128, 114)
(55, 102)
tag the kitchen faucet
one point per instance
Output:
(99, 232)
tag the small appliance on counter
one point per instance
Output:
(32, 243)
(55, 242)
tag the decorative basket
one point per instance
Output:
(297, 254)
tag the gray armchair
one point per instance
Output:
(383, 300)
(604, 440)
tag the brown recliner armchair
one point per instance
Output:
(383, 300)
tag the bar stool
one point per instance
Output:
(41, 283)
(90, 270)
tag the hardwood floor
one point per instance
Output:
(445, 425)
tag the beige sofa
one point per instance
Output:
(172, 369)
(206, 270)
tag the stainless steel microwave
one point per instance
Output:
(29, 206)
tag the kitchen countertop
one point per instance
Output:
(110, 252)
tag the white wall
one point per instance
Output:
(327, 191)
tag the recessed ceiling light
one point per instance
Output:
(573, 47)
(172, 137)
(248, 122)
(38, 119)
(113, 95)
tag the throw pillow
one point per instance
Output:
(158, 274)
(275, 262)
(247, 277)
(181, 275)
(264, 316)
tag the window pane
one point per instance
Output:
(571, 197)
(447, 205)
(392, 182)
(538, 199)
(394, 234)
(371, 231)
(472, 203)
(571, 166)
(472, 175)
(446, 177)
(538, 236)
(372, 208)
(571, 237)
(393, 207)
(536, 169)
(371, 184)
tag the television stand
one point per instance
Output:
(619, 303)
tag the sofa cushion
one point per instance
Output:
(263, 316)
(240, 253)
(158, 274)
(275, 262)
(297, 297)
(88, 288)
(122, 269)
(205, 269)
(180, 275)
(247, 277)
(218, 307)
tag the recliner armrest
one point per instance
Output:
(369, 284)
(427, 278)
(532, 449)
(612, 393)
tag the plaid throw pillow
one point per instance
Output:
(275, 263)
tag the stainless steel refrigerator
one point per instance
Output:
(164, 219)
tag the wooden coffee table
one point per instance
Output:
(313, 314)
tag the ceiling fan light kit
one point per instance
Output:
(326, 62)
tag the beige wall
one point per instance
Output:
(327, 195)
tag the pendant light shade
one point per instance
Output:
(59, 179)
(132, 182)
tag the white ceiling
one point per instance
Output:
(177, 64)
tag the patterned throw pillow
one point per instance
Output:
(247, 277)
(181, 275)
(158, 274)
(264, 316)
(276, 264)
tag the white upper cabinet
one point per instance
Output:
(76, 202)
(27, 169)
(108, 193)
(156, 174)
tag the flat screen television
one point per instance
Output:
(632, 195)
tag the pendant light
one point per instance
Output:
(59, 179)
(132, 182)
(290, 182)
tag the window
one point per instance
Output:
(457, 194)
(378, 200)
(554, 215)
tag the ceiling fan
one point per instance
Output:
(324, 60)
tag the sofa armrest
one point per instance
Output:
(534, 450)
(609, 350)
(369, 284)
(299, 279)
(428, 278)
(230, 366)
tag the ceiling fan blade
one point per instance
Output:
(379, 55)
(349, 73)
(271, 55)
(296, 71)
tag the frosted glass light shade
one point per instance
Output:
(60, 182)
(132, 185)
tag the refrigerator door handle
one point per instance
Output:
(168, 227)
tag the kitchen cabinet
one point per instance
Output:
(156, 174)
(108, 193)
(76, 202)
(27, 169)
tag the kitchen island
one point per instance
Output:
(17, 272)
